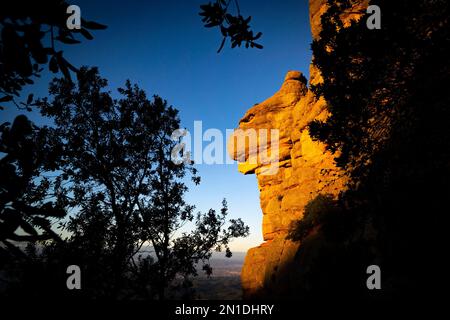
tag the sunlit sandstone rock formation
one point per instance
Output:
(306, 170)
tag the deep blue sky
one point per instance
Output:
(162, 46)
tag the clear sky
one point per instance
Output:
(163, 47)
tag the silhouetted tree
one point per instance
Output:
(26, 28)
(180, 255)
(117, 159)
(372, 77)
(386, 91)
(27, 204)
(110, 163)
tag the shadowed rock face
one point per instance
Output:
(305, 170)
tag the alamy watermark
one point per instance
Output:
(374, 280)
(374, 20)
(74, 279)
(74, 20)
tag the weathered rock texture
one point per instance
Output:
(306, 170)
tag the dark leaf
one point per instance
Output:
(86, 34)
(6, 98)
(30, 98)
(28, 228)
(258, 46)
(258, 35)
(67, 40)
(93, 25)
(53, 65)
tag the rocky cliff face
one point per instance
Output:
(305, 170)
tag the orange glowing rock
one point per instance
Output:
(300, 176)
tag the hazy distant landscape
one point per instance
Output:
(225, 281)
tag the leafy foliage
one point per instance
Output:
(27, 202)
(372, 76)
(386, 91)
(26, 29)
(236, 27)
(116, 166)
(26, 210)
(106, 160)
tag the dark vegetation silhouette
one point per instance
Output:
(387, 94)
(26, 29)
(27, 152)
(30, 33)
(235, 27)
(105, 165)
(107, 162)
(115, 174)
